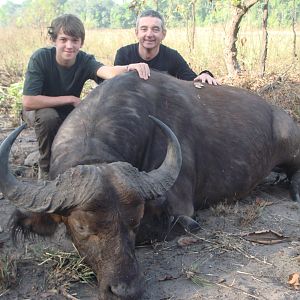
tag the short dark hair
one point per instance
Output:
(151, 13)
(69, 24)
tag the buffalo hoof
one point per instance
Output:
(188, 223)
(295, 187)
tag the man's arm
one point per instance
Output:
(107, 72)
(40, 101)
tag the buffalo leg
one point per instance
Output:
(295, 186)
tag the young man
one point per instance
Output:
(55, 77)
(150, 31)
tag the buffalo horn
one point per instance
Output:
(155, 183)
(47, 196)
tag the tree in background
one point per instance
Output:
(8, 10)
(239, 9)
(177, 13)
(264, 51)
(294, 18)
(188, 11)
(103, 13)
(39, 13)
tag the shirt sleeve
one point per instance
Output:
(34, 78)
(93, 65)
(182, 69)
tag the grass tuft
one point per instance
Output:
(8, 273)
(68, 267)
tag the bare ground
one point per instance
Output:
(215, 263)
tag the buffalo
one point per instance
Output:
(115, 180)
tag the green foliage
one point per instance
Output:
(15, 92)
(39, 13)
(236, 2)
(113, 14)
(122, 17)
(11, 98)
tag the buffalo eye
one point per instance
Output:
(134, 224)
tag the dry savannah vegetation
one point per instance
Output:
(219, 262)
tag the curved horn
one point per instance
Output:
(156, 182)
(47, 196)
(7, 180)
(165, 176)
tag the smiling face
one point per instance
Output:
(150, 33)
(67, 48)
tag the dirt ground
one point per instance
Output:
(218, 262)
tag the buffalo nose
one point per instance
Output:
(123, 291)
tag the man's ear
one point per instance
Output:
(164, 33)
(136, 31)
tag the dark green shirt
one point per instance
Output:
(44, 76)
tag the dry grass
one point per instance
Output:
(8, 272)
(282, 70)
(67, 267)
(207, 54)
(214, 244)
(281, 89)
(223, 209)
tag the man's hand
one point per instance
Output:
(204, 77)
(75, 100)
(142, 69)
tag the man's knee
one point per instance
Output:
(28, 117)
(47, 119)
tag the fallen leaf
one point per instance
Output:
(294, 280)
(267, 237)
(186, 241)
(166, 278)
(262, 203)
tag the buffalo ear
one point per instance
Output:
(28, 224)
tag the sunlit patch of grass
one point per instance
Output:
(67, 267)
(197, 279)
(223, 209)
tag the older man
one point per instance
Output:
(150, 31)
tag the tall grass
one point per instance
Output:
(17, 44)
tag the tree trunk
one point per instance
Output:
(294, 31)
(230, 51)
(264, 39)
(191, 28)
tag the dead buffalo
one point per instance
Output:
(107, 183)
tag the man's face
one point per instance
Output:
(150, 32)
(67, 48)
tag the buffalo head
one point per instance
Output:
(101, 205)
